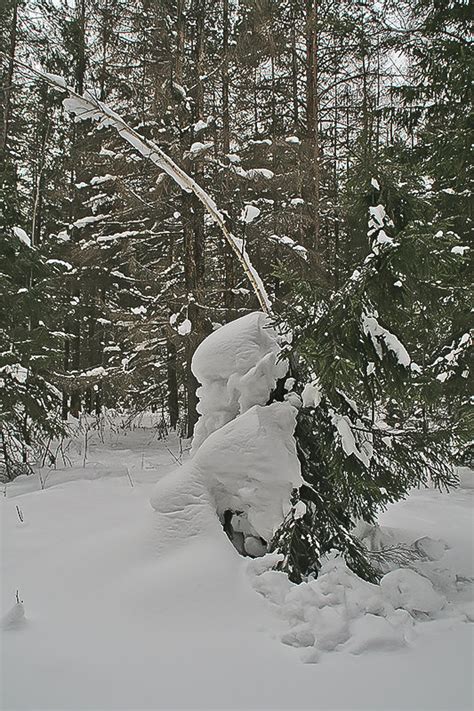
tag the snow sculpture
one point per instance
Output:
(237, 368)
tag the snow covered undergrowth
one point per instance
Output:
(129, 609)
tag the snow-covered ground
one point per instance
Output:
(131, 608)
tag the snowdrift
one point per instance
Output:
(128, 607)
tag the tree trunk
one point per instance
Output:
(8, 81)
(229, 275)
(312, 117)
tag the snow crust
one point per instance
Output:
(237, 366)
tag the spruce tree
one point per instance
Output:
(371, 426)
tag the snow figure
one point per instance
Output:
(244, 464)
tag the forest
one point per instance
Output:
(239, 230)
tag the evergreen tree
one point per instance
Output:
(30, 349)
(371, 426)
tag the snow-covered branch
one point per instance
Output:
(90, 107)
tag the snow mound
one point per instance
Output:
(184, 508)
(338, 610)
(411, 591)
(244, 464)
(250, 466)
(14, 618)
(237, 368)
(372, 632)
(430, 548)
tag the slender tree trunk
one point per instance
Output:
(229, 275)
(8, 81)
(312, 117)
(336, 185)
(80, 70)
(196, 235)
(294, 71)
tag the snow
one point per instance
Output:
(311, 395)
(14, 618)
(60, 263)
(243, 449)
(89, 220)
(375, 183)
(138, 310)
(185, 328)
(100, 179)
(378, 217)
(249, 214)
(16, 371)
(237, 366)
(377, 333)
(199, 126)
(241, 478)
(256, 173)
(261, 142)
(289, 242)
(292, 139)
(22, 236)
(294, 202)
(198, 147)
(349, 442)
(300, 510)
(340, 612)
(407, 589)
(225, 475)
(459, 249)
(94, 372)
(127, 607)
(55, 79)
